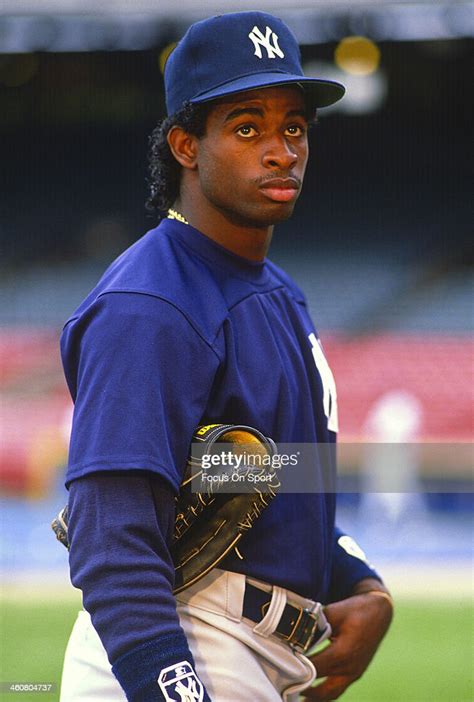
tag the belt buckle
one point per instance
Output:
(302, 634)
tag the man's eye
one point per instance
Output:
(295, 130)
(246, 130)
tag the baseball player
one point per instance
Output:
(192, 326)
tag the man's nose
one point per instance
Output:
(279, 153)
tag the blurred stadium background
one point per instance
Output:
(381, 243)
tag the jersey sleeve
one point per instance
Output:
(140, 375)
(349, 566)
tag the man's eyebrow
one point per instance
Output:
(297, 113)
(244, 111)
(239, 111)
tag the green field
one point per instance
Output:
(427, 656)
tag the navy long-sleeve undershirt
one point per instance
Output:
(119, 557)
(119, 530)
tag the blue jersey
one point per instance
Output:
(180, 332)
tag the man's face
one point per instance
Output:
(252, 158)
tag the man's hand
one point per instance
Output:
(358, 626)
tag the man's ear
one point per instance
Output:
(184, 147)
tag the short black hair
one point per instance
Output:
(164, 170)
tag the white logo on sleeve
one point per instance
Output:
(329, 384)
(259, 41)
(179, 683)
(352, 547)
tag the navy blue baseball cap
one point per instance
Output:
(239, 51)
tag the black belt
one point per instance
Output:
(298, 627)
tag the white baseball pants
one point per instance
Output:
(236, 659)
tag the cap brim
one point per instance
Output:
(323, 92)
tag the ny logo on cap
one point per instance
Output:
(259, 40)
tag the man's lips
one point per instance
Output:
(281, 189)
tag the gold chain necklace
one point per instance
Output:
(173, 214)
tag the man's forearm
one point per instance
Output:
(120, 559)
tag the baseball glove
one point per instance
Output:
(211, 521)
